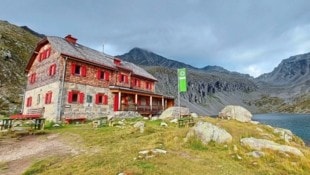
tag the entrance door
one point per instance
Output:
(115, 102)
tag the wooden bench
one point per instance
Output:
(70, 120)
(186, 120)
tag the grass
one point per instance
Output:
(111, 150)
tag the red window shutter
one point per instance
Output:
(40, 57)
(54, 69)
(46, 98)
(133, 82)
(83, 71)
(97, 98)
(119, 77)
(48, 52)
(70, 97)
(43, 55)
(105, 99)
(81, 98)
(30, 101)
(126, 79)
(98, 74)
(72, 68)
(107, 75)
(50, 97)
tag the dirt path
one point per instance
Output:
(19, 154)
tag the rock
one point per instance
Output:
(56, 125)
(256, 154)
(174, 112)
(207, 132)
(140, 125)
(259, 144)
(163, 124)
(235, 112)
(174, 121)
(254, 122)
(159, 151)
(194, 115)
(154, 118)
(125, 114)
(285, 134)
(146, 154)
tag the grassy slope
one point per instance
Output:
(111, 150)
(19, 43)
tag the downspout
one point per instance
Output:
(60, 100)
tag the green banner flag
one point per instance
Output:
(182, 80)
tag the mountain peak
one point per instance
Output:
(145, 57)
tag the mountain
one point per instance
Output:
(209, 89)
(291, 71)
(287, 87)
(16, 45)
(146, 58)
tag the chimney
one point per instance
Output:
(71, 39)
(117, 61)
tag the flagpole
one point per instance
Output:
(179, 101)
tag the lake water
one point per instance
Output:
(299, 124)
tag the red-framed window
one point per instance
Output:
(48, 97)
(29, 101)
(32, 78)
(122, 78)
(44, 54)
(103, 75)
(101, 98)
(137, 82)
(148, 85)
(78, 70)
(75, 97)
(52, 70)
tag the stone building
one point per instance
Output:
(69, 80)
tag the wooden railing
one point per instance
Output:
(142, 109)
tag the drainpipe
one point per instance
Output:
(60, 100)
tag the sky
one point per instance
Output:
(247, 36)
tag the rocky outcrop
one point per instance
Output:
(260, 144)
(235, 112)
(285, 134)
(174, 112)
(207, 132)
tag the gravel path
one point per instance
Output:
(20, 154)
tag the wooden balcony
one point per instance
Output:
(143, 109)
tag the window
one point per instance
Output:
(101, 99)
(38, 99)
(44, 54)
(103, 75)
(78, 70)
(32, 78)
(89, 99)
(52, 70)
(122, 78)
(75, 97)
(137, 82)
(29, 101)
(48, 97)
(148, 85)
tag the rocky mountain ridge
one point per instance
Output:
(209, 88)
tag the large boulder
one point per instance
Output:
(285, 134)
(235, 112)
(260, 144)
(207, 132)
(174, 112)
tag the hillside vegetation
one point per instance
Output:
(113, 150)
(16, 45)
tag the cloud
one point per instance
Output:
(248, 36)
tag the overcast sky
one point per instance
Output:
(247, 36)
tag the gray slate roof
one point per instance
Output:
(85, 53)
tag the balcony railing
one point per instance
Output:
(142, 109)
